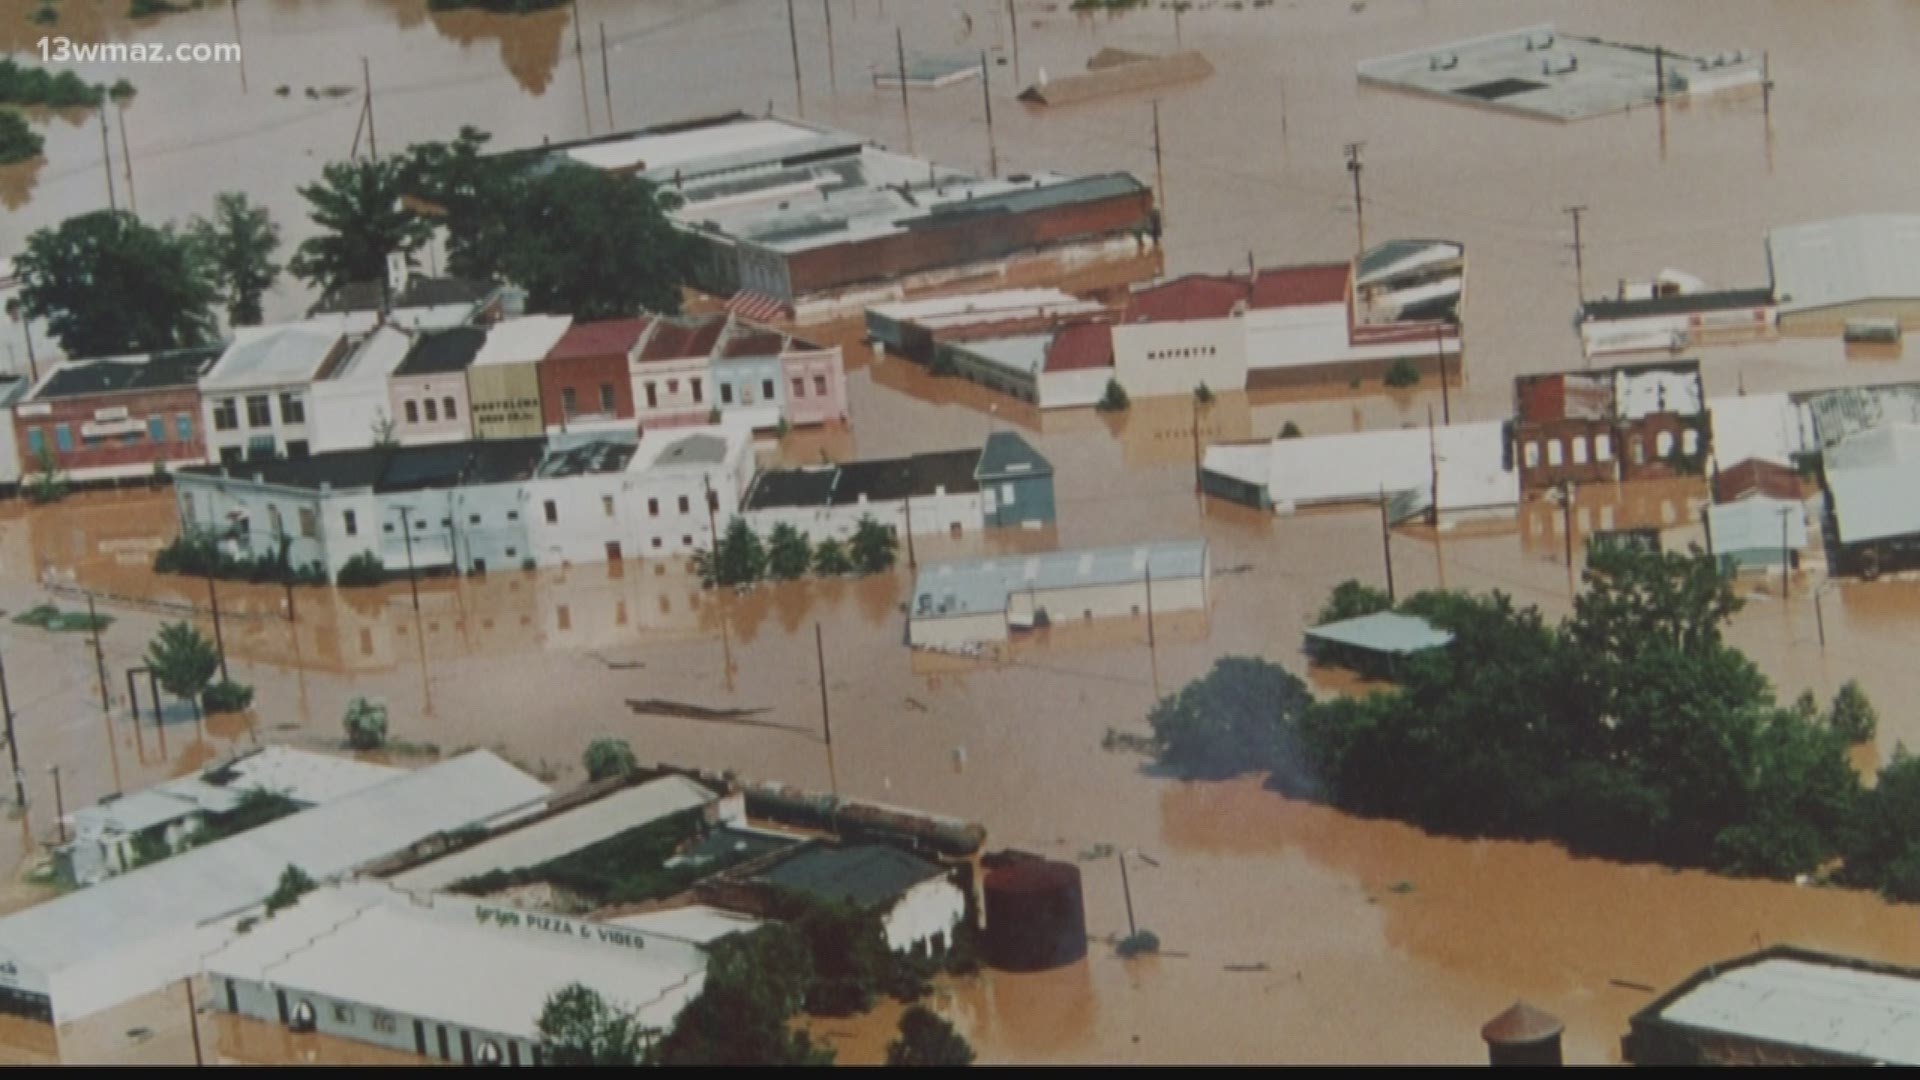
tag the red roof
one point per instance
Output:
(673, 339)
(1196, 296)
(753, 342)
(1080, 347)
(609, 337)
(1297, 286)
(1567, 396)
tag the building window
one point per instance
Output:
(766, 389)
(297, 449)
(433, 410)
(157, 428)
(606, 503)
(820, 386)
(1533, 455)
(274, 525)
(473, 519)
(606, 398)
(511, 552)
(63, 438)
(684, 505)
(569, 402)
(384, 1022)
(726, 393)
(413, 413)
(386, 526)
(513, 515)
(799, 387)
(229, 455)
(1553, 452)
(452, 412)
(183, 427)
(292, 409)
(1638, 450)
(673, 386)
(553, 513)
(352, 522)
(1663, 444)
(653, 507)
(686, 541)
(1689, 442)
(259, 411)
(656, 543)
(1603, 447)
(653, 395)
(309, 523)
(186, 506)
(225, 417)
(36, 442)
(342, 1014)
(1579, 451)
(694, 384)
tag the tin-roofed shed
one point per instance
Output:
(1375, 644)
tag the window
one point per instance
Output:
(713, 499)
(1689, 442)
(653, 396)
(1579, 451)
(684, 505)
(413, 413)
(183, 427)
(225, 416)
(726, 393)
(63, 437)
(473, 519)
(766, 389)
(274, 525)
(157, 428)
(292, 409)
(433, 410)
(656, 543)
(1533, 455)
(673, 386)
(186, 505)
(553, 513)
(1603, 447)
(653, 507)
(606, 398)
(1637, 449)
(229, 455)
(606, 503)
(1553, 452)
(799, 387)
(511, 552)
(452, 412)
(343, 1014)
(820, 386)
(1663, 444)
(383, 1022)
(36, 442)
(695, 385)
(297, 449)
(309, 523)
(386, 527)
(513, 515)
(352, 522)
(569, 402)
(259, 411)
(685, 541)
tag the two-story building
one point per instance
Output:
(672, 383)
(429, 388)
(503, 382)
(256, 396)
(684, 485)
(116, 418)
(584, 378)
(1635, 422)
(350, 403)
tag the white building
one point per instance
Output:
(1461, 467)
(255, 397)
(936, 494)
(350, 407)
(681, 486)
(966, 605)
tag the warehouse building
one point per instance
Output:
(1783, 1006)
(1672, 314)
(1873, 498)
(1458, 469)
(1757, 533)
(441, 976)
(1851, 270)
(130, 935)
(915, 328)
(968, 605)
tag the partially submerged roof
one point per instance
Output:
(1871, 480)
(1218, 296)
(1112, 72)
(442, 352)
(1006, 455)
(1677, 304)
(681, 338)
(262, 356)
(1475, 470)
(979, 586)
(867, 876)
(1794, 998)
(155, 371)
(1845, 260)
(390, 469)
(1521, 1023)
(589, 457)
(1386, 632)
(1757, 524)
(876, 480)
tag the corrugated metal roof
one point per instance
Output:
(1080, 347)
(1007, 454)
(1845, 260)
(1474, 472)
(272, 355)
(1383, 632)
(1828, 1007)
(522, 341)
(867, 876)
(977, 586)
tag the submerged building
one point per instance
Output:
(968, 605)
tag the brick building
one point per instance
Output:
(115, 418)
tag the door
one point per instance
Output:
(613, 551)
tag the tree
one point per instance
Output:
(357, 206)
(1115, 399)
(1202, 395)
(18, 142)
(830, 559)
(108, 285)
(183, 660)
(366, 724)
(578, 1027)
(593, 244)
(1351, 600)
(1233, 720)
(788, 555)
(48, 486)
(608, 758)
(927, 1041)
(294, 884)
(1402, 374)
(237, 247)
(775, 959)
(1290, 430)
(740, 558)
(1852, 716)
(470, 194)
(732, 1024)
(874, 546)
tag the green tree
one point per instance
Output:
(1236, 718)
(1115, 399)
(851, 961)
(1290, 430)
(873, 547)
(740, 558)
(18, 142)
(788, 555)
(183, 660)
(366, 724)
(579, 1027)
(357, 206)
(468, 193)
(1402, 374)
(294, 884)
(1350, 600)
(608, 758)
(1635, 599)
(775, 959)
(1881, 848)
(830, 559)
(1202, 395)
(593, 244)
(236, 245)
(731, 1023)
(108, 285)
(927, 1041)
(49, 484)
(1853, 716)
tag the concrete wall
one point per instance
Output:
(925, 916)
(816, 386)
(206, 503)
(419, 390)
(361, 1023)
(1073, 389)
(957, 633)
(1832, 321)
(343, 415)
(933, 515)
(1171, 358)
(10, 461)
(590, 512)
(505, 399)
(1288, 336)
(492, 527)
(1666, 333)
(1577, 451)
(240, 438)
(1126, 599)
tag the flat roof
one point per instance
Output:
(451, 959)
(147, 905)
(1766, 427)
(1839, 414)
(1869, 1012)
(879, 480)
(1678, 304)
(865, 876)
(593, 456)
(153, 371)
(395, 468)
(301, 775)
(1872, 478)
(442, 352)
(990, 307)
(275, 355)
(1472, 458)
(980, 586)
(1845, 260)
(697, 923)
(1753, 524)
(562, 832)
(1388, 632)
(375, 358)
(525, 340)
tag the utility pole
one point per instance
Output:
(606, 75)
(106, 154)
(1159, 168)
(793, 40)
(1440, 350)
(59, 804)
(1579, 253)
(1177, 41)
(366, 79)
(986, 96)
(1433, 463)
(193, 1020)
(833, 75)
(1819, 621)
(713, 521)
(1566, 511)
(1786, 555)
(1126, 890)
(126, 159)
(826, 717)
(906, 500)
(13, 745)
(1196, 443)
(1386, 542)
(1354, 166)
(213, 602)
(900, 54)
(406, 531)
(1766, 88)
(1014, 20)
(100, 656)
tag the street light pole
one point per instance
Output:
(13, 745)
(1127, 890)
(59, 805)
(213, 601)
(406, 531)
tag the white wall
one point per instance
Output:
(933, 515)
(584, 526)
(1171, 358)
(9, 448)
(1294, 336)
(673, 388)
(342, 415)
(1075, 389)
(277, 427)
(957, 632)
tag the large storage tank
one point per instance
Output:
(1036, 918)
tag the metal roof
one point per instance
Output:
(1474, 469)
(867, 876)
(1764, 427)
(1007, 454)
(1679, 304)
(1383, 632)
(156, 371)
(525, 340)
(1873, 480)
(274, 355)
(696, 923)
(1845, 260)
(1753, 524)
(1831, 1007)
(980, 586)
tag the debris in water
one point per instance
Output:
(1401, 887)
(916, 704)
(1097, 851)
(618, 665)
(1261, 966)
(688, 712)
(1623, 983)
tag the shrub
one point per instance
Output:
(1290, 430)
(830, 559)
(1402, 374)
(608, 758)
(362, 571)
(1139, 943)
(927, 1040)
(366, 724)
(1350, 600)
(294, 884)
(1852, 717)
(227, 696)
(1115, 399)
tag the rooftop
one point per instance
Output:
(591, 457)
(697, 923)
(1475, 471)
(376, 357)
(390, 469)
(1007, 454)
(1387, 632)
(866, 876)
(674, 338)
(275, 355)
(420, 292)
(1845, 260)
(1796, 998)
(607, 337)
(979, 586)
(301, 775)
(442, 352)
(1677, 304)
(1871, 477)
(879, 480)
(524, 340)
(1217, 296)
(1755, 524)
(1112, 71)
(157, 371)
(1006, 305)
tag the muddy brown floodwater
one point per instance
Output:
(1293, 933)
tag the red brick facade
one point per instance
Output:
(100, 443)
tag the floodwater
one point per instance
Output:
(1348, 940)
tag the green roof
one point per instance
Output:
(1386, 632)
(866, 876)
(1007, 454)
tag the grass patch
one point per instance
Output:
(48, 617)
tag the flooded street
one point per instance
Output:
(1349, 940)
